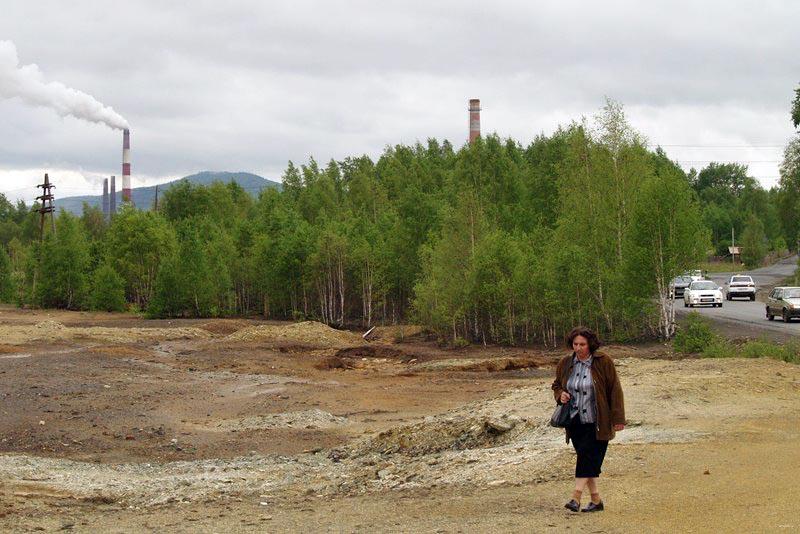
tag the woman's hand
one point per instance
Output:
(617, 428)
(564, 397)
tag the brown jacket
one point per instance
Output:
(607, 392)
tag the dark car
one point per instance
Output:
(679, 285)
(784, 301)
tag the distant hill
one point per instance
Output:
(143, 197)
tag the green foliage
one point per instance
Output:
(108, 290)
(695, 335)
(796, 108)
(63, 265)
(788, 194)
(667, 237)
(488, 242)
(762, 349)
(135, 243)
(195, 281)
(93, 221)
(719, 348)
(6, 277)
(754, 243)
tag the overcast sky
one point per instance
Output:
(247, 86)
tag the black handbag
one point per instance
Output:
(560, 418)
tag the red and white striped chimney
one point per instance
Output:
(474, 119)
(126, 165)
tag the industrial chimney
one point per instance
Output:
(474, 119)
(112, 207)
(126, 165)
(106, 204)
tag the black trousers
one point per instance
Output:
(591, 451)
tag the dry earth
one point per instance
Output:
(119, 424)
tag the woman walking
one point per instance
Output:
(587, 380)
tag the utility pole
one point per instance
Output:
(47, 206)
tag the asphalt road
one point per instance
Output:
(747, 318)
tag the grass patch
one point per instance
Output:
(696, 336)
(756, 348)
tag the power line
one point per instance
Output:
(718, 161)
(717, 146)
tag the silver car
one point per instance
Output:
(785, 302)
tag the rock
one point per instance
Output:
(495, 483)
(707, 472)
(499, 425)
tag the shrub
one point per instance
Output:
(792, 352)
(719, 348)
(766, 349)
(460, 343)
(108, 293)
(6, 277)
(695, 335)
(763, 349)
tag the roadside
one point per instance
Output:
(745, 319)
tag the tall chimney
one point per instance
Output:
(112, 208)
(126, 165)
(106, 205)
(474, 119)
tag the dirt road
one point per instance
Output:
(125, 425)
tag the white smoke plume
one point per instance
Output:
(27, 83)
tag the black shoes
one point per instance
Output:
(592, 507)
(575, 506)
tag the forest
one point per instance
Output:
(493, 242)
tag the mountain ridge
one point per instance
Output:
(143, 197)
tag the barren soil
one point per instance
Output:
(119, 424)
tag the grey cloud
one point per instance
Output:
(250, 85)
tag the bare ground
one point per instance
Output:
(119, 424)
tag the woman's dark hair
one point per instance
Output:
(591, 337)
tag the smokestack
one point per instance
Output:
(106, 205)
(474, 119)
(126, 165)
(113, 198)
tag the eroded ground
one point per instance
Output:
(116, 423)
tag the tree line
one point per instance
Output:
(494, 242)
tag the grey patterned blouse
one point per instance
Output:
(581, 390)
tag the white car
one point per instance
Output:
(695, 275)
(702, 292)
(740, 285)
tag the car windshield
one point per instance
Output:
(737, 279)
(791, 294)
(706, 285)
